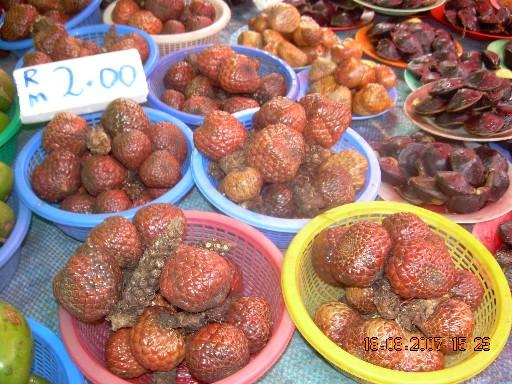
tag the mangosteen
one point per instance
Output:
(408, 158)
(469, 203)
(434, 158)
(453, 183)
(498, 182)
(466, 161)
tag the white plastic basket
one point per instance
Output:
(171, 43)
(261, 5)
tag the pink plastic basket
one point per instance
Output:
(260, 261)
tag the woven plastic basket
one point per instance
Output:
(97, 33)
(260, 261)
(88, 16)
(304, 292)
(9, 134)
(268, 64)
(10, 251)
(172, 43)
(78, 225)
(51, 361)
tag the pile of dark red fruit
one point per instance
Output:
(480, 103)
(330, 13)
(424, 171)
(504, 254)
(403, 4)
(21, 16)
(164, 16)
(409, 40)
(218, 78)
(401, 289)
(122, 163)
(479, 16)
(53, 43)
(284, 167)
(167, 302)
(446, 64)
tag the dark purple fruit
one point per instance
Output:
(507, 55)
(430, 106)
(504, 256)
(468, 203)
(473, 56)
(491, 59)
(448, 68)
(446, 87)
(426, 189)
(505, 230)
(453, 184)
(429, 77)
(504, 108)
(451, 16)
(466, 161)
(468, 19)
(498, 182)
(434, 158)
(491, 158)
(408, 158)
(388, 50)
(381, 30)
(391, 172)
(483, 80)
(486, 124)
(408, 193)
(406, 42)
(393, 145)
(452, 119)
(463, 99)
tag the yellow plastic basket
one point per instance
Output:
(304, 292)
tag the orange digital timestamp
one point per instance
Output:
(423, 343)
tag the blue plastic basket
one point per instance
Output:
(10, 252)
(97, 33)
(51, 361)
(88, 16)
(78, 225)
(281, 231)
(268, 65)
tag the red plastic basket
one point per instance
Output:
(488, 232)
(260, 261)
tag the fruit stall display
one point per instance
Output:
(9, 118)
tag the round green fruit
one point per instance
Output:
(7, 221)
(37, 380)
(6, 181)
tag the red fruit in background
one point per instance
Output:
(418, 357)
(74, 6)
(195, 279)
(360, 254)
(194, 23)
(118, 238)
(101, 173)
(143, 199)
(252, 315)
(165, 9)
(468, 288)
(57, 16)
(417, 268)
(178, 76)
(123, 10)
(123, 115)
(119, 357)
(173, 27)
(335, 186)
(18, 21)
(114, 200)
(277, 201)
(200, 105)
(131, 148)
(155, 193)
(405, 226)
(202, 8)
(280, 110)
(236, 277)
(387, 334)
(146, 21)
(57, 176)
(271, 86)
(128, 41)
(67, 47)
(164, 135)
(238, 103)
(46, 34)
(44, 5)
(334, 318)
(239, 74)
(277, 152)
(35, 58)
(199, 86)
(155, 346)
(173, 99)
(65, 131)
(78, 203)
(216, 351)
(322, 251)
(150, 221)
(210, 60)
(219, 135)
(88, 285)
(361, 299)
(160, 170)
(89, 48)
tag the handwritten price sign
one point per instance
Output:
(79, 86)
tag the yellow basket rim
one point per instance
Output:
(370, 372)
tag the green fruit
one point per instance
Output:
(6, 181)
(7, 90)
(4, 121)
(16, 346)
(7, 221)
(37, 380)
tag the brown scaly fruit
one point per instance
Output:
(334, 318)
(173, 27)
(131, 148)
(76, 286)
(417, 354)
(67, 47)
(306, 198)
(195, 279)
(89, 48)
(18, 22)
(97, 141)
(165, 9)
(239, 74)
(78, 203)
(57, 176)
(101, 173)
(387, 333)
(280, 110)
(210, 60)
(119, 357)
(128, 41)
(118, 238)
(142, 199)
(35, 58)
(315, 156)
(122, 115)
(352, 339)
(405, 226)
(43, 6)
(236, 278)
(238, 103)
(160, 170)
(173, 99)
(361, 299)
(114, 200)
(155, 193)
(219, 135)
(216, 351)
(335, 186)
(351, 161)
(46, 34)
(200, 105)
(235, 160)
(418, 268)
(152, 220)
(327, 120)
(277, 201)
(276, 152)
(195, 23)
(241, 185)
(360, 254)
(468, 288)
(146, 21)
(155, 346)
(282, 17)
(202, 8)
(199, 86)
(57, 16)
(272, 85)
(123, 10)
(179, 75)
(252, 315)
(74, 6)
(66, 131)
(164, 135)
(322, 251)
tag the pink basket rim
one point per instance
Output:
(256, 368)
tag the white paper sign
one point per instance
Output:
(82, 85)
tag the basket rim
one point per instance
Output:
(14, 124)
(256, 368)
(73, 22)
(73, 375)
(165, 62)
(79, 220)
(367, 371)
(180, 38)
(265, 222)
(122, 30)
